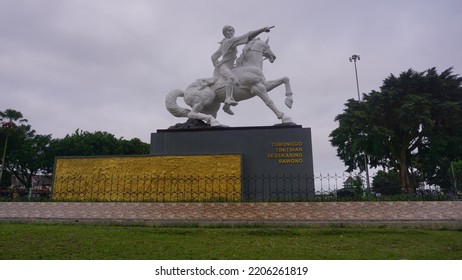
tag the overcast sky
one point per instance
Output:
(107, 65)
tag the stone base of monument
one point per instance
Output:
(277, 161)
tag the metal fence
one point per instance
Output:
(147, 188)
(182, 188)
(328, 187)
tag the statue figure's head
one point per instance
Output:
(228, 31)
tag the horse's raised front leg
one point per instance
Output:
(275, 83)
(260, 91)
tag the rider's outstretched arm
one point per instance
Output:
(254, 34)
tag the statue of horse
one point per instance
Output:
(205, 96)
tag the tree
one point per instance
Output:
(9, 120)
(352, 187)
(134, 147)
(456, 176)
(27, 151)
(30, 158)
(405, 126)
(386, 183)
(83, 143)
(443, 144)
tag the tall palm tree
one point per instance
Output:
(9, 121)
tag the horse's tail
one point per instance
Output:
(172, 106)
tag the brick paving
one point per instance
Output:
(262, 212)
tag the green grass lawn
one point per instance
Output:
(55, 242)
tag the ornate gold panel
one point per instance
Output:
(148, 178)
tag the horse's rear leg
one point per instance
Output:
(196, 114)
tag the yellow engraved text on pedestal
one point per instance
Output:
(148, 178)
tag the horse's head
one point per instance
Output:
(265, 49)
(259, 46)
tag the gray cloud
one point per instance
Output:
(107, 65)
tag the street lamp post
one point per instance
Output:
(354, 58)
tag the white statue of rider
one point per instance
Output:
(228, 53)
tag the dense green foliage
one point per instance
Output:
(83, 143)
(27, 153)
(28, 241)
(386, 183)
(412, 125)
(456, 172)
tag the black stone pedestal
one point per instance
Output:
(277, 161)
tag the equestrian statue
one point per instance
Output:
(234, 79)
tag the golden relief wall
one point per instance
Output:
(148, 178)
